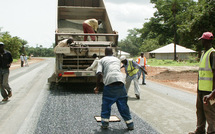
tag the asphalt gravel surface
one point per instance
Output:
(70, 109)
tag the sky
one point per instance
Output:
(35, 20)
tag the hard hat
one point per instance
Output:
(1, 43)
(122, 58)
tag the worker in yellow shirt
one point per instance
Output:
(91, 26)
(206, 86)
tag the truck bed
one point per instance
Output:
(72, 61)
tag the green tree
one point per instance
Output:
(149, 45)
(199, 18)
(132, 43)
(12, 44)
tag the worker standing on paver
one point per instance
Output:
(94, 65)
(142, 62)
(114, 89)
(5, 63)
(64, 43)
(91, 26)
(132, 69)
(206, 84)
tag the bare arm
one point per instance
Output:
(99, 77)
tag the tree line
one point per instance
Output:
(179, 21)
(18, 46)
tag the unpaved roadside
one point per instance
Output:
(182, 77)
(17, 64)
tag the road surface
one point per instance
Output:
(38, 107)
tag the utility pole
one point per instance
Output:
(174, 11)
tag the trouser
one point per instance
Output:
(4, 86)
(26, 63)
(205, 113)
(136, 84)
(88, 29)
(143, 74)
(22, 62)
(112, 94)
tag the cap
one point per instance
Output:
(1, 43)
(207, 36)
(122, 58)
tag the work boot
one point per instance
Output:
(137, 96)
(197, 132)
(5, 99)
(104, 127)
(9, 93)
(130, 126)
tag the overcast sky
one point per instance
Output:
(35, 20)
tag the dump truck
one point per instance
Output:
(72, 61)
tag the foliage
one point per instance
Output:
(186, 19)
(12, 44)
(40, 51)
(18, 46)
(200, 18)
(157, 62)
(149, 45)
(132, 43)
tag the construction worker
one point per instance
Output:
(114, 89)
(132, 69)
(91, 26)
(64, 43)
(142, 62)
(5, 63)
(206, 84)
(94, 65)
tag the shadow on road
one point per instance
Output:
(72, 88)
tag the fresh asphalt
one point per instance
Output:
(70, 109)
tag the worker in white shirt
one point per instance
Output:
(94, 64)
(114, 89)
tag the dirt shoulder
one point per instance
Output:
(32, 60)
(184, 77)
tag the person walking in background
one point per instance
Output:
(206, 84)
(26, 60)
(114, 89)
(5, 63)
(132, 69)
(94, 64)
(91, 26)
(22, 60)
(142, 62)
